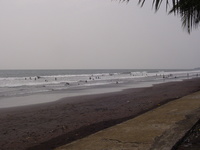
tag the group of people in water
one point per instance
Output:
(34, 78)
(94, 77)
(38, 77)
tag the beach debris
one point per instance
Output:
(51, 131)
(5, 132)
(64, 127)
(27, 138)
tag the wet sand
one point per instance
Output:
(46, 126)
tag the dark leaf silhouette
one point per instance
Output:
(189, 11)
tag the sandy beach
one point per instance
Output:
(49, 125)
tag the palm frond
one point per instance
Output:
(189, 11)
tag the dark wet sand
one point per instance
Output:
(46, 126)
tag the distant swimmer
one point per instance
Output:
(66, 83)
(55, 79)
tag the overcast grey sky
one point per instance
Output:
(93, 34)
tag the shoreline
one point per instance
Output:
(52, 96)
(49, 125)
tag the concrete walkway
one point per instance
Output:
(158, 129)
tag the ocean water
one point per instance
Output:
(15, 83)
(20, 82)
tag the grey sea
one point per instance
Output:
(26, 87)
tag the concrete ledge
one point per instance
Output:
(158, 129)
